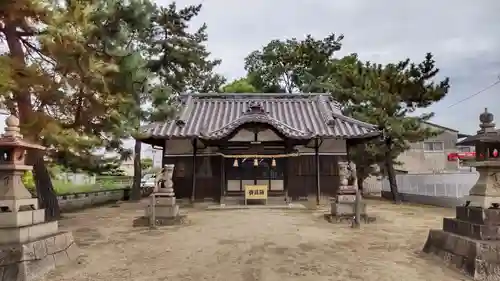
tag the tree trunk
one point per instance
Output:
(47, 197)
(361, 178)
(391, 175)
(136, 186)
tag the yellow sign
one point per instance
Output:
(256, 192)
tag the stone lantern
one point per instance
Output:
(13, 193)
(29, 246)
(470, 242)
(486, 192)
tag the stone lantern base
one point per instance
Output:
(470, 242)
(29, 246)
(30, 260)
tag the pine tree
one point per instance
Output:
(292, 65)
(179, 57)
(385, 95)
(58, 83)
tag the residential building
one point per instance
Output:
(432, 155)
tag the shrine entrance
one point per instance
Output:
(247, 171)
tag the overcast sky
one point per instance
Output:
(462, 34)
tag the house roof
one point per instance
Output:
(439, 126)
(296, 116)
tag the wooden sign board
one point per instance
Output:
(255, 192)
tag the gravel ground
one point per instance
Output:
(253, 245)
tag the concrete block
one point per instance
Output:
(163, 211)
(27, 233)
(477, 259)
(18, 219)
(471, 230)
(59, 243)
(343, 209)
(15, 205)
(346, 198)
(478, 215)
(38, 216)
(169, 201)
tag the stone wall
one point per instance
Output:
(76, 201)
(439, 201)
(33, 259)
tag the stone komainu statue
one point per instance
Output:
(159, 180)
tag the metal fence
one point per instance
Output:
(454, 185)
(445, 190)
(77, 178)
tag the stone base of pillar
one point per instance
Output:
(29, 261)
(343, 206)
(470, 242)
(163, 210)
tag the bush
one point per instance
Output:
(29, 181)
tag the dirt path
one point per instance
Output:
(253, 245)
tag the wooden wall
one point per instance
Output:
(300, 176)
(208, 176)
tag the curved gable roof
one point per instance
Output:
(297, 116)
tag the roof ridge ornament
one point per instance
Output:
(255, 107)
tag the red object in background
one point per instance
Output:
(495, 153)
(461, 155)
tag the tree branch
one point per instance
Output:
(36, 50)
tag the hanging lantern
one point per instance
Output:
(235, 163)
(255, 162)
(273, 163)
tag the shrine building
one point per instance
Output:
(292, 143)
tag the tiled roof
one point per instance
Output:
(299, 116)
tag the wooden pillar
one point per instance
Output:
(222, 180)
(318, 178)
(163, 159)
(193, 188)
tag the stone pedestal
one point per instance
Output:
(344, 205)
(470, 242)
(162, 209)
(29, 246)
(30, 260)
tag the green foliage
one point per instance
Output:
(179, 57)
(291, 65)
(64, 187)
(146, 163)
(241, 85)
(28, 181)
(383, 95)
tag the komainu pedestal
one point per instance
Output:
(162, 208)
(343, 206)
(29, 246)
